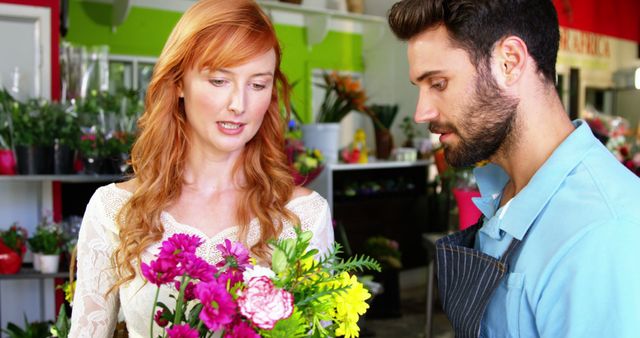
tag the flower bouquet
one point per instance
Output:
(300, 295)
(342, 95)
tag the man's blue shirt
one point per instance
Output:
(577, 271)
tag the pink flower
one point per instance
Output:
(264, 304)
(160, 271)
(230, 275)
(189, 290)
(181, 246)
(241, 329)
(198, 268)
(218, 305)
(182, 331)
(160, 318)
(233, 254)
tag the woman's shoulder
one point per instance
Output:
(305, 198)
(308, 205)
(107, 201)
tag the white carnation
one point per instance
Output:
(257, 271)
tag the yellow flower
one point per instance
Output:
(350, 305)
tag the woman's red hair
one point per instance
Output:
(214, 34)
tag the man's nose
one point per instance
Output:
(426, 110)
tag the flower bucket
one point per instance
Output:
(7, 162)
(62, 159)
(324, 137)
(49, 263)
(468, 213)
(34, 160)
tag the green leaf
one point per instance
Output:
(278, 260)
(293, 327)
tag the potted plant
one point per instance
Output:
(382, 116)
(7, 159)
(342, 95)
(387, 252)
(12, 249)
(30, 330)
(33, 134)
(49, 241)
(66, 133)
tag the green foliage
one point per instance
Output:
(62, 326)
(292, 327)
(307, 277)
(48, 238)
(342, 95)
(31, 330)
(409, 129)
(6, 124)
(385, 113)
(14, 238)
(384, 250)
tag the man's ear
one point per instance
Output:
(510, 59)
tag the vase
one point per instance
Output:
(34, 160)
(49, 263)
(384, 143)
(36, 261)
(7, 162)
(355, 6)
(468, 213)
(62, 158)
(324, 137)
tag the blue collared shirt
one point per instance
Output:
(577, 271)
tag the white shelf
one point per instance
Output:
(318, 20)
(378, 165)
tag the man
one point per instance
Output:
(555, 254)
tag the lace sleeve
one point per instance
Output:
(95, 313)
(323, 230)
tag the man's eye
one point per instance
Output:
(218, 82)
(439, 85)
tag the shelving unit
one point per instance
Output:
(386, 198)
(24, 198)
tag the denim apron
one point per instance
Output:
(467, 278)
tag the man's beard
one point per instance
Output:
(488, 122)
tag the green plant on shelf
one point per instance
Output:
(48, 239)
(30, 330)
(385, 250)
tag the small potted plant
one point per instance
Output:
(342, 95)
(66, 134)
(382, 116)
(12, 249)
(50, 241)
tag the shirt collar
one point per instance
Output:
(525, 207)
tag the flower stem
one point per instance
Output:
(183, 285)
(153, 307)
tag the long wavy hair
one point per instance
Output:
(214, 34)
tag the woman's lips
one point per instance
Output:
(230, 128)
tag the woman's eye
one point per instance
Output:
(258, 86)
(439, 85)
(218, 82)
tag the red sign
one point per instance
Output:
(617, 18)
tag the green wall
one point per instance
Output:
(145, 30)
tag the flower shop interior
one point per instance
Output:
(73, 75)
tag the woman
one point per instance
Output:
(208, 161)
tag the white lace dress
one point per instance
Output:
(95, 315)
